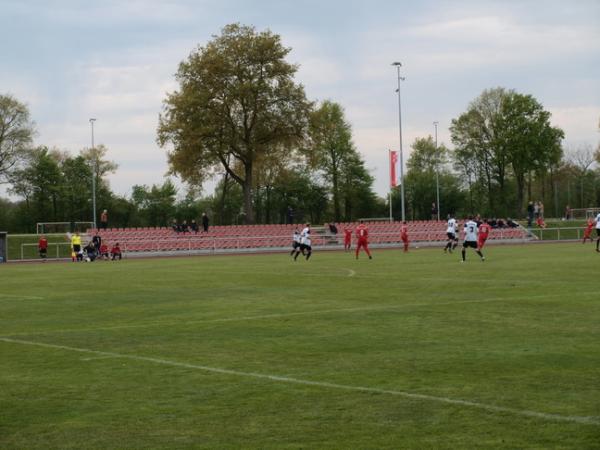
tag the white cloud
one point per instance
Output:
(580, 123)
(476, 42)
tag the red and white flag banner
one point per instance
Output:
(393, 166)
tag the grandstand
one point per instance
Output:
(275, 237)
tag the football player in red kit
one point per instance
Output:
(587, 233)
(362, 234)
(484, 232)
(347, 238)
(404, 236)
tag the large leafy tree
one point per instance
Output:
(504, 136)
(16, 133)
(530, 141)
(475, 135)
(425, 160)
(331, 147)
(358, 197)
(157, 203)
(39, 183)
(332, 152)
(237, 101)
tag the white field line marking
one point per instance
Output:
(283, 315)
(93, 358)
(265, 272)
(351, 272)
(19, 296)
(587, 420)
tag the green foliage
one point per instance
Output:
(16, 134)
(237, 102)
(332, 152)
(501, 139)
(421, 188)
(156, 204)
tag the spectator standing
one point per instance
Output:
(541, 206)
(104, 219)
(536, 210)
(434, 211)
(97, 240)
(530, 212)
(43, 247)
(568, 212)
(205, 222)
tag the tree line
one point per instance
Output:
(240, 118)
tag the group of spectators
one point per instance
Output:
(93, 250)
(192, 227)
(535, 211)
(501, 223)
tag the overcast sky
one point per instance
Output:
(115, 60)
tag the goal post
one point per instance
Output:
(584, 213)
(62, 227)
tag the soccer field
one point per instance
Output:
(409, 350)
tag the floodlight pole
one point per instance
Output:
(93, 174)
(437, 172)
(398, 65)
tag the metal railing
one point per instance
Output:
(50, 244)
(558, 234)
(212, 244)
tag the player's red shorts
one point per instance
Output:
(481, 242)
(361, 243)
(404, 237)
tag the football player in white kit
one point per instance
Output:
(305, 243)
(295, 242)
(598, 232)
(471, 238)
(452, 233)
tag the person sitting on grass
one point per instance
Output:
(115, 252)
(540, 222)
(90, 251)
(104, 252)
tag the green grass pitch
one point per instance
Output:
(409, 350)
